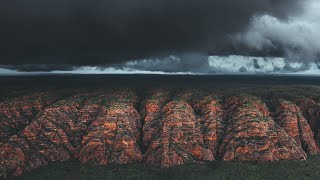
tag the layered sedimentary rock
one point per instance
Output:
(211, 120)
(114, 136)
(290, 118)
(162, 127)
(152, 113)
(17, 113)
(252, 135)
(14, 156)
(49, 137)
(311, 111)
(97, 128)
(178, 139)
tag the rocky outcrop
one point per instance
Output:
(97, 128)
(114, 136)
(212, 122)
(290, 118)
(252, 135)
(17, 113)
(178, 138)
(161, 127)
(16, 156)
(311, 111)
(46, 138)
(152, 113)
(55, 133)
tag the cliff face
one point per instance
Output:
(163, 128)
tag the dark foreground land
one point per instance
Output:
(159, 127)
(309, 169)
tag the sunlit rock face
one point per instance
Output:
(160, 127)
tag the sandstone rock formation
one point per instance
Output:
(311, 111)
(46, 138)
(17, 113)
(178, 140)
(290, 118)
(212, 122)
(162, 127)
(151, 113)
(114, 136)
(252, 135)
(98, 128)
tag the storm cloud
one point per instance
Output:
(297, 36)
(59, 34)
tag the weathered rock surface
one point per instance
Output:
(212, 122)
(290, 118)
(252, 135)
(46, 138)
(161, 127)
(311, 111)
(114, 136)
(17, 113)
(152, 113)
(178, 140)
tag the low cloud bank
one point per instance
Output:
(196, 64)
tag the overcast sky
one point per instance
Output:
(157, 35)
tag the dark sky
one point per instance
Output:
(60, 34)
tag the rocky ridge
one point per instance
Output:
(161, 127)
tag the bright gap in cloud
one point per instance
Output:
(261, 65)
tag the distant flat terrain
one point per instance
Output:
(191, 81)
